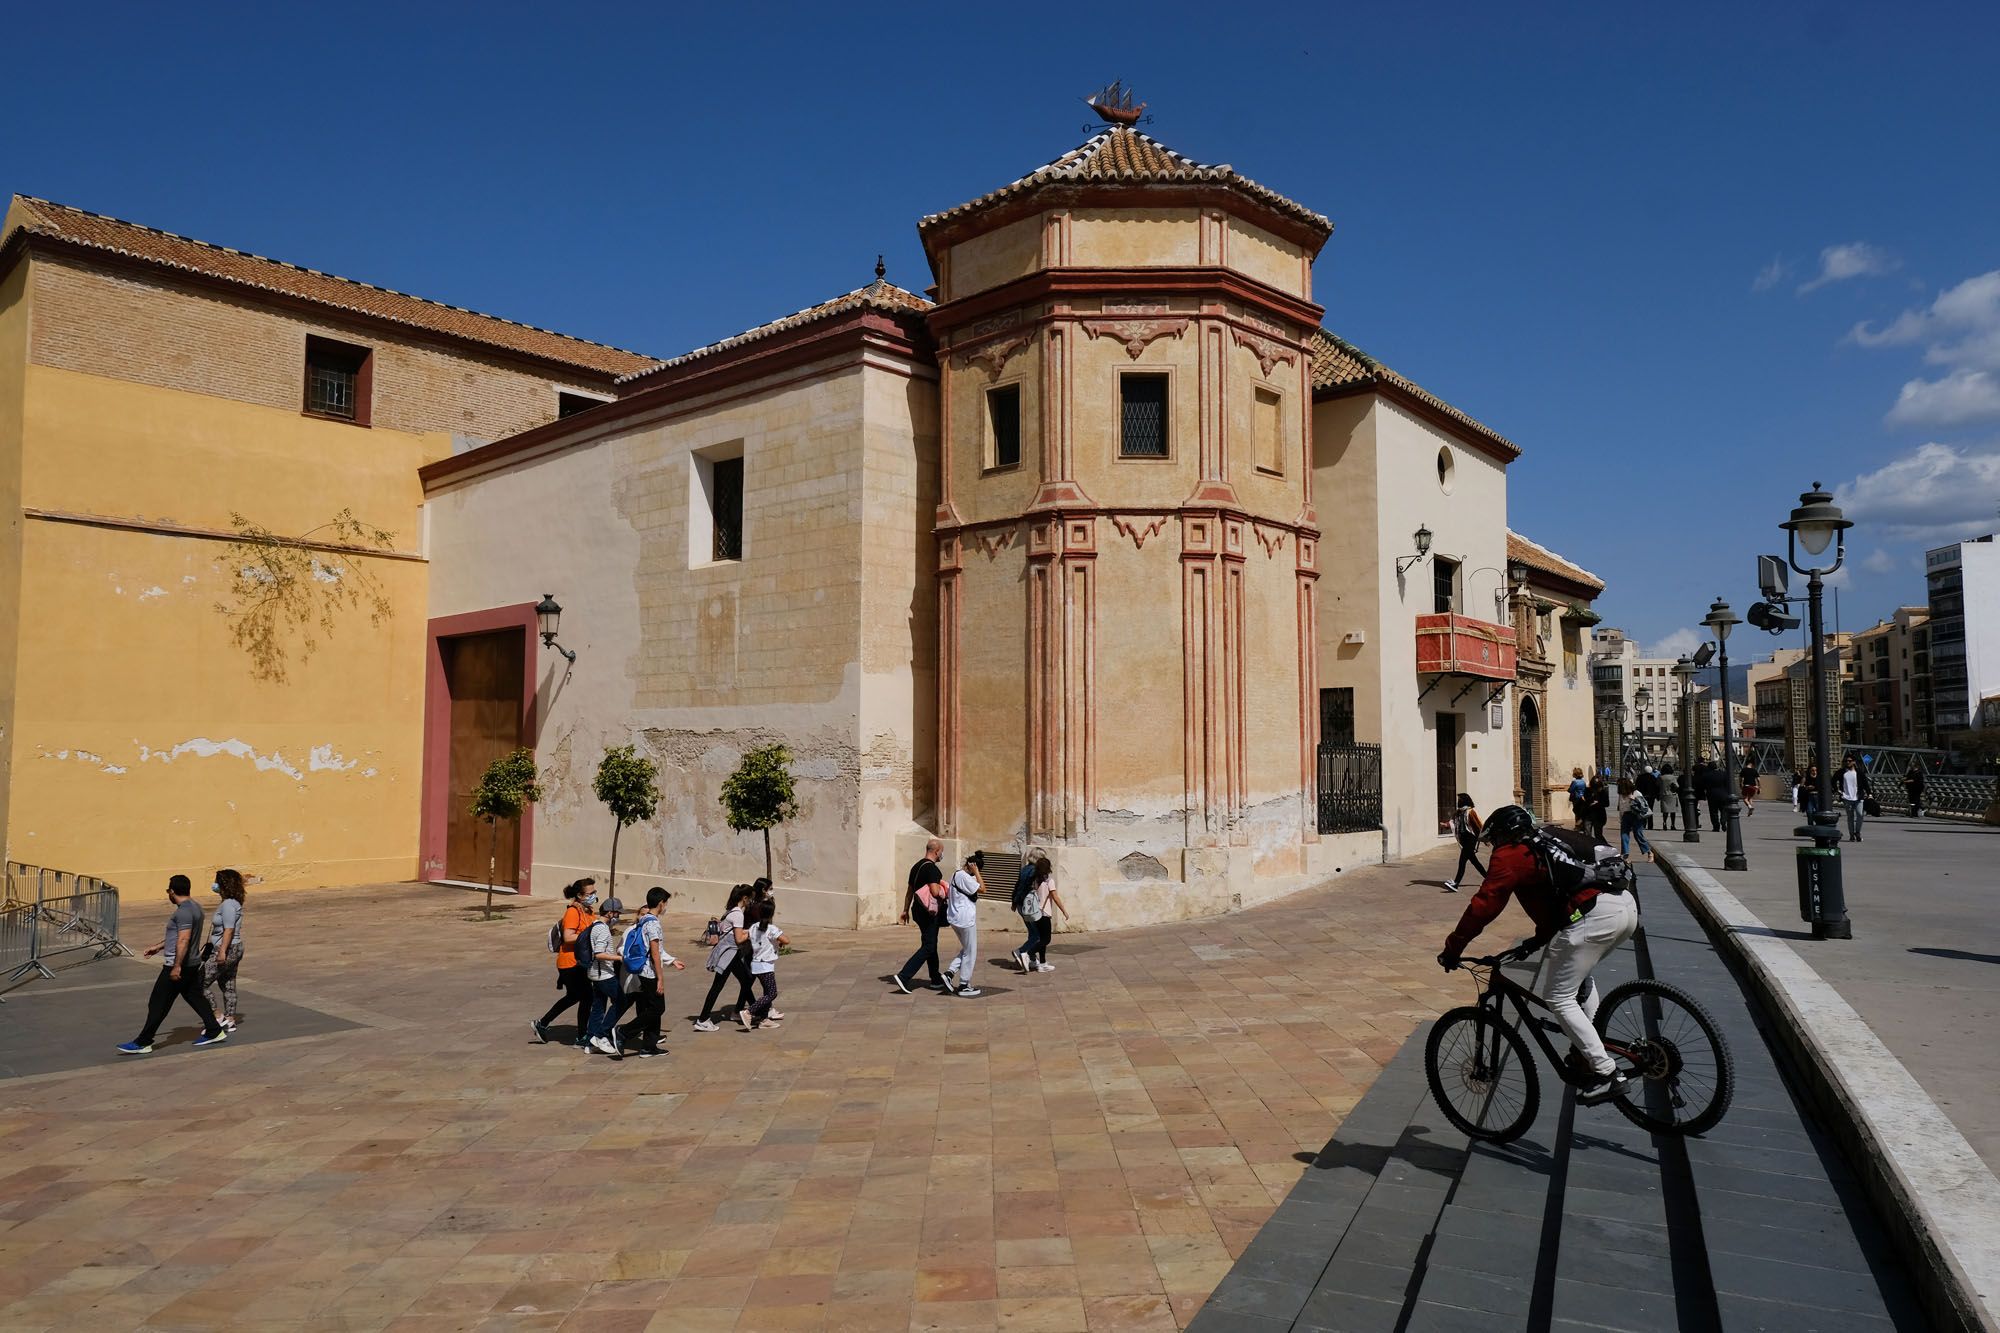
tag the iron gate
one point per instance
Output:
(1350, 788)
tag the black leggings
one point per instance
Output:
(739, 967)
(1465, 850)
(1039, 934)
(575, 982)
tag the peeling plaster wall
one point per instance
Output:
(808, 640)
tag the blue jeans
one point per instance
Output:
(1630, 826)
(603, 1006)
(1854, 813)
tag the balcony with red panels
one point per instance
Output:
(1453, 645)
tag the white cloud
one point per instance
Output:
(1935, 493)
(1879, 561)
(1961, 327)
(1771, 275)
(1857, 259)
(1960, 398)
(1680, 642)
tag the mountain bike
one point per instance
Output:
(1676, 1063)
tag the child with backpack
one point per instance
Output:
(600, 956)
(645, 962)
(765, 940)
(728, 959)
(572, 975)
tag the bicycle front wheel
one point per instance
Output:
(1481, 1075)
(1681, 1076)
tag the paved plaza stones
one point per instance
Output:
(1085, 1149)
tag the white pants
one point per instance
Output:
(1567, 962)
(968, 948)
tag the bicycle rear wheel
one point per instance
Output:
(1481, 1075)
(1681, 1076)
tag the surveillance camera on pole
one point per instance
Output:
(1769, 617)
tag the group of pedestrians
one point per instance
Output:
(605, 968)
(933, 902)
(199, 959)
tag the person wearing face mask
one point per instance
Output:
(572, 966)
(224, 951)
(180, 973)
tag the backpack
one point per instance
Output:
(1640, 805)
(1571, 869)
(556, 931)
(637, 957)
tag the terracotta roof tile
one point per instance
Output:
(1125, 155)
(1536, 556)
(877, 295)
(42, 218)
(1339, 364)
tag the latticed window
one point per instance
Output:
(337, 380)
(726, 504)
(1143, 425)
(1444, 585)
(1003, 409)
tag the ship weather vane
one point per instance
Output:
(1114, 106)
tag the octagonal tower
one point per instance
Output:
(1126, 538)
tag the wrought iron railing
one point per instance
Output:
(45, 913)
(1350, 788)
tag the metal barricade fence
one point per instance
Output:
(1966, 794)
(47, 913)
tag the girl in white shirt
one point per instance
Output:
(764, 941)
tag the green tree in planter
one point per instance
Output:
(626, 783)
(758, 795)
(505, 788)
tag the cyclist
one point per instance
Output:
(1578, 928)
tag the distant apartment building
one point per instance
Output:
(1964, 583)
(1764, 689)
(1784, 703)
(1892, 679)
(1619, 671)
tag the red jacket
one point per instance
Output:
(1513, 871)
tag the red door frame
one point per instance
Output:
(437, 732)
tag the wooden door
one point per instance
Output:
(1531, 758)
(1447, 766)
(484, 674)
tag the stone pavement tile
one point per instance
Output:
(1615, 1308)
(1778, 1317)
(1343, 1312)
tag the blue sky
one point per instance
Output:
(1690, 261)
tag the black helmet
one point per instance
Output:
(1510, 823)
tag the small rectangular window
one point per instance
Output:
(1003, 410)
(569, 404)
(1270, 431)
(1143, 416)
(1444, 585)
(338, 380)
(725, 498)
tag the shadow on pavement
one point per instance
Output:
(1960, 953)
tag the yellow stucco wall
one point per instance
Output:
(144, 743)
(14, 315)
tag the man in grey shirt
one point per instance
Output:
(180, 973)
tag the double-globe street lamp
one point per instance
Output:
(1642, 699)
(1684, 671)
(1814, 525)
(1720, 620)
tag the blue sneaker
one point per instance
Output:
(134, 1048)
(221, 1035)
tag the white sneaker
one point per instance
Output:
(969, 991)
(602, 1046)
(1045, 967)
(1451, 886)
(704, 1025)
(1021, 960)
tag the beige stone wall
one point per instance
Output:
(151, 330)
(811, 639)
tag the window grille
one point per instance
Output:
(725, 498)
(336, 380)
(1143, 402)
(1444, 586)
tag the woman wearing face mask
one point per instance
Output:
(572, 967)
(224, 951)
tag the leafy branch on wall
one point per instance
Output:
(285, 593)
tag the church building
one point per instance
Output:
(1104, 546)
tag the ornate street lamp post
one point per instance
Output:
(1641, 701)
(1684, 671)
(1814, 525)
(1721, 620)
